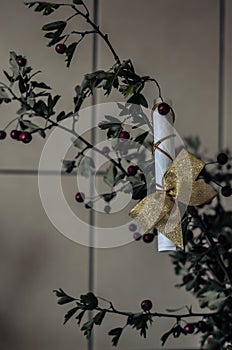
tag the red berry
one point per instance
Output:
(132, 170)
(163, 108)
(25, 137)
(148, 237)
(137, 236)
(124, 135)
(226, 191)
(60, 48)
(14, 134)
(222, 158)
(146, 305)
(132, 227)
(202, 326)
(21, 61)
(189, 328)
(2, 134)
(80, 197)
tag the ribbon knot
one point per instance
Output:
(160, 209)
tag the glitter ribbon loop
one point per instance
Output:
(160, 209)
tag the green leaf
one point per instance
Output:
(80, 316)
(27, 124)
(70, 52)
(111, 173)
(114, 131)
(77, 142)
(87, 328)
(116, 333)
(41, 85)
(98, 318)
(165, 337)
(41, 108)
(23, 87)
(217, 303)
(63, 297)
(78, 2)
(3, 94)
(89, 300)
(70, 314)
(60, 116)
(54, 25)
(69, 165)
(140, 138)
(138, 99)
(42, 6)
(86, 166)
(42, 133)
(140, 322)
(52, 102)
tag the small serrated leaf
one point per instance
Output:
(54, 25)
(70, 52)
(116, 333)
(98, 318)
(70, 314)
(111, 173)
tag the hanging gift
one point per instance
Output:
(176, 179)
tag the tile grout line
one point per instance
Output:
(91, 271)
(221, 76)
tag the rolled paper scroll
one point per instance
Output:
(164, 153)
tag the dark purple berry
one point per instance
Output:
(14, 134)
(21, 61)
(228, 167)
(60, 48)
(187, 278)
(189, 328)
(137, 236)
(132, 170)
(222, 240)
(124, 135)
(202, 326)
(148, 237)
(222, 158)
(189, 235)
(25, 137)
(226, 191)
(105, 150)
(146, 305)
(2, 134)
(132, 227)
(80, 197)
(163, 108)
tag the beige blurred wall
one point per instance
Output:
(175, 41)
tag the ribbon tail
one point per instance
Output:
(151, 210)
(201, 193)
(170, 226)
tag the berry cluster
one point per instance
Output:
(222, 159)
(18, 135)
(146, 237)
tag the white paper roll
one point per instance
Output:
(163, 127)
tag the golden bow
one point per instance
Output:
(160, 209)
